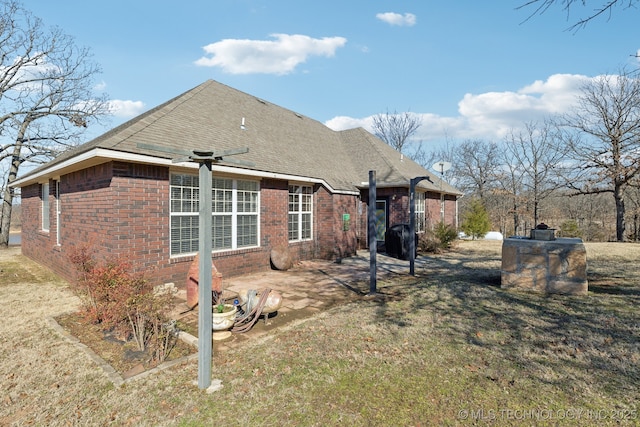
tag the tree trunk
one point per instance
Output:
(516, 219)
(7, 201)
(620, 223)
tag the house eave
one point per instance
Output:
(405, 184)
(98, 156)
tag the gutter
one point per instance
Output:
(98, 156)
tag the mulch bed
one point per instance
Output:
(123, 356)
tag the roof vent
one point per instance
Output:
(298, 115)
(262, 101)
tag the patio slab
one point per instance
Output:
(308, 287)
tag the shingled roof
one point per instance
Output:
(213, 116)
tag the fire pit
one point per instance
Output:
(544, 263)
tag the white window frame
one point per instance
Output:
(46, 208)
(230, 200)
(300, 213)
(421, 218)
(58, 211)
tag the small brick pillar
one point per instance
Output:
(193, 279)
(557, 266)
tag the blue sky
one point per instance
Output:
(468, 68)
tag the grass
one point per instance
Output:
(448, 348)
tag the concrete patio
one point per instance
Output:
(307, 288)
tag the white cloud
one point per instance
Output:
(392, 18)
(491, 115)
(279, 56)
(345, 122)
(100, 87)
(126, 109)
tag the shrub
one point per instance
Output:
(123, 301)
(570, 228)
(446, 233)
(440, 238)
(428, 242)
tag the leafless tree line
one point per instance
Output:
(583, 166)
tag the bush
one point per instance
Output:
(123, 301)
(428, 242)
(570, 228)
(438, 239)
(447, 234)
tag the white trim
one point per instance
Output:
(58, 212)
(300, 213)
(102, 155)
(233, 213)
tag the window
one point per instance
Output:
(58, 213)
(300, 212)
(45, 206)
(234, 204)
(420, 211)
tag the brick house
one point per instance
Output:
(122, 193)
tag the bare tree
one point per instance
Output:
(395, 128)
(535, 155)
(446, 153)
(605, 8)
(604, 139)
(510, 187)
(46, 95)
(476, 163)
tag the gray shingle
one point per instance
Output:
(209, 117)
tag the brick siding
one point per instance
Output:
(122, 210)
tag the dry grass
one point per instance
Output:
(448, 348)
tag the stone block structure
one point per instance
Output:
(556, 266)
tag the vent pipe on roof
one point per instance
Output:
(242, 124)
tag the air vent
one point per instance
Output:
(262, 101)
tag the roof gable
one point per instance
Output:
(213, 116)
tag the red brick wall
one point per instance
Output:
(36, 243)
(122, 209)
(336, 239)
(398, 209)
(433, 209)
